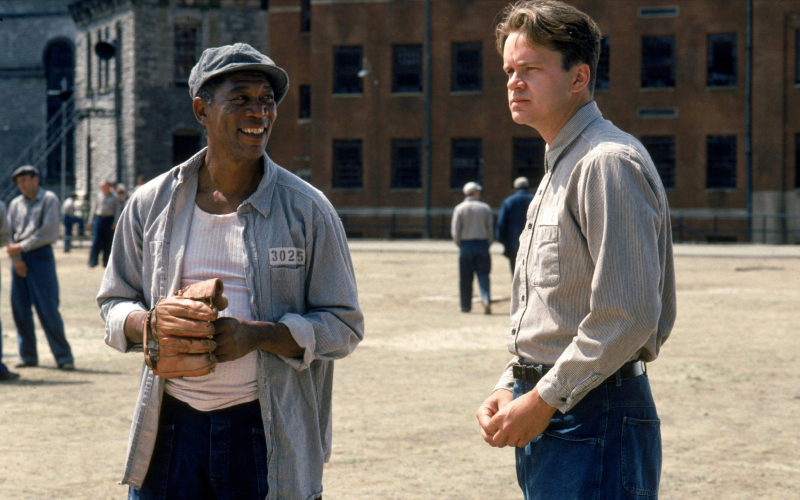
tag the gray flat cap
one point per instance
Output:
(237, 57)
(471, 187)
(25, 169)
(521, 182)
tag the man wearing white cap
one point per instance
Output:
(471, 228)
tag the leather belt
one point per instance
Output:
(533, 373)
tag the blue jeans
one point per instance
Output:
(102, 237)
(198, 455)
(607, 446)
(38, 289)
(68, 223)
(473, 259)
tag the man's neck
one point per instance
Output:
(33, 197)
(223, 185)
(550, 131)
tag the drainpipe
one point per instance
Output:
(748, 119)
(427, 142)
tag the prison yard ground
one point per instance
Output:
(727, 384)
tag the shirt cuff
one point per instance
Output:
(303, 333)
(115, 326)
(507, 378)
(554, 393)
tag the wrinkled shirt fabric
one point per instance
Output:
(313, 292)
(594, 285)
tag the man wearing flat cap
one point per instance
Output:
(512, 218)
(257, 423)
(33, 219)
(471, 228)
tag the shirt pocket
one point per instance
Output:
(287, 291)
(546, 270)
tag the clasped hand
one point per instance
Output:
(505, 421)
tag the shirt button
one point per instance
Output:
(530, 225)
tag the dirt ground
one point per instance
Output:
(727, 385)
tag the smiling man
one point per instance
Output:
(593, 293)
(253, 419)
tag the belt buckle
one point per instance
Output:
(526, 373)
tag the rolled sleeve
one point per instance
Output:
(333, 324)
(507, 378)
(117, 314)
(621, 216)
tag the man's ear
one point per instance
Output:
(200, 108)
(581, 79)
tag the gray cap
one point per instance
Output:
(25, 169)
(521, 182)
(471, 187)
(237, 57)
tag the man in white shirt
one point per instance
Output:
(471, 229)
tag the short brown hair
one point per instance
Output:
(558, 27)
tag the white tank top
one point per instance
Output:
(215, 249)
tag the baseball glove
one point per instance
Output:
(178, 331)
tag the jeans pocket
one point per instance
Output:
(546, 270)
(559, 466)
(260, 454)
(641, 456)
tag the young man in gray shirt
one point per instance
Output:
(593, 293)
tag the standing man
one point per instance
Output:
(593, 298)
(33, 222)
(511, 222)
(260, 423)
(471, 228)
(69, 219)
(102, 221)
(5, 374)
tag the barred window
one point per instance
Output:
(797, 161)
(186, 47)
(721, 162)
(658, 61)
(603, 76)
(305, 16)
(346, 65)
(185, 143)
(528, 159)
(347, 164)
(406, 163)
(407, 68)
(467, 158)
(662, 152)
(305, 102)
(722, 60)
(467, 66)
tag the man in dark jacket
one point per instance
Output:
(512, 219)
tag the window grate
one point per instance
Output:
(603, 76)
(662, 152)
(407, 68)
(658, 61)
(722, 60)
(305, 102)
(406, 163)
(346, 65)
(529, 159)
(721, 162)
(186, 38)
(467, 67)
(347, 164)
(467, 158)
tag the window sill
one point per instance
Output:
(347, 96)
(466, 92)
(303, 121)
(721, 190)
(406, 190)
(656, 89)
(406, 94)
(347, 190)
(721, 87)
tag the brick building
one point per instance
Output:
(36, 63)
(672, 74)
(145, 125)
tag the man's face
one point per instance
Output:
(28, 185)
(539, 90)
(105, 187)
(239, 120)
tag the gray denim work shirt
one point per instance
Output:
(472, 220)
(4, 232)
(594, 285)
(299, 273)
(106, 205)
(34, 223)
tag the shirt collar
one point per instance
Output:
(260, 200)
(39, 195)
(573, 128)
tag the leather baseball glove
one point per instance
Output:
(178, 331)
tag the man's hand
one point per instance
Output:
(14, 249)
(520, 421)
(234, 337)
(20, 268)
(493, 404)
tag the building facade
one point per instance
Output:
(672, 73)
(36, 69)
(133, 59)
